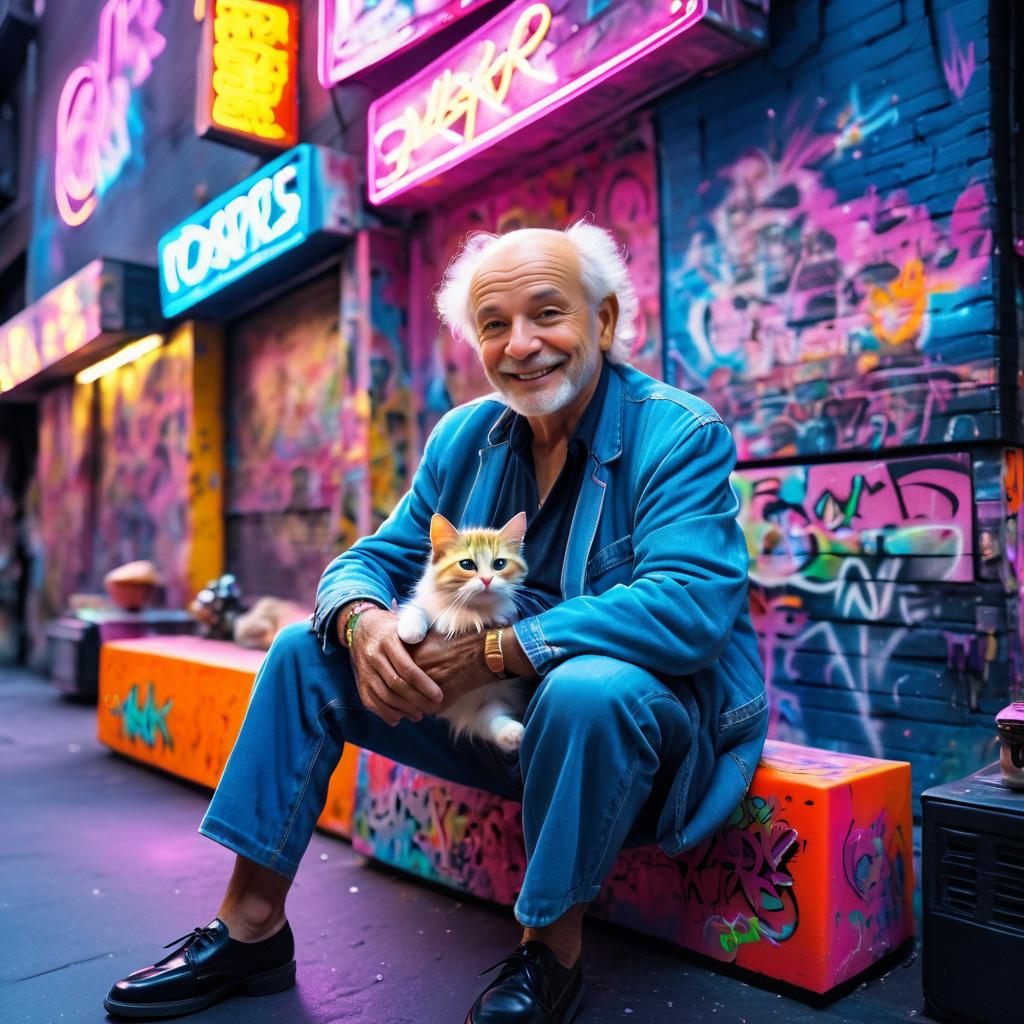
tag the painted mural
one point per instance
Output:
(809, 881)
(142, 498)
(287, 385)
(61, 541)
(818, 320)
(829, 288)
(614, 182)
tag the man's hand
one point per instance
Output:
(389, 682)
(456, 665)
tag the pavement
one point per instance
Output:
(101, 864)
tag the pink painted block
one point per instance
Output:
(535, 75)
(810, 882)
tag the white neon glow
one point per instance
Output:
(242, 228)
(122, 357)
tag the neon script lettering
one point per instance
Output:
(92, 113)
(456, 95)
(252, 66)
(269, 210)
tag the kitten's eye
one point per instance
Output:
(468, 564)
(499, 564)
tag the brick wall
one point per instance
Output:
(833, 284)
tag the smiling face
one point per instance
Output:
(540, 340)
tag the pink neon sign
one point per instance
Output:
(537, 74)
(356, 34)
(92, 113)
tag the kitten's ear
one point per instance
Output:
(514, 530)
(442, 533)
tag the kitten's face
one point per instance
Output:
(477, 566)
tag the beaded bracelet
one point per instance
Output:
(350, 620)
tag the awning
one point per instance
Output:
(84, 318)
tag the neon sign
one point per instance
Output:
(92, 114)
(356, 34)
(248, 73)
(78, 318)
(537, 74)
(304, 195)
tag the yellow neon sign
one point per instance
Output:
(253, 78)
(456, 95)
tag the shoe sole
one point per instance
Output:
(264, 984)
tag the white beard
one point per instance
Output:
(542, 404)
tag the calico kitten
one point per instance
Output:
(470, 583)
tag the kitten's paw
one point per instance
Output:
(509, 736)
(411, 632)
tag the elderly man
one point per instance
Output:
(648, 711)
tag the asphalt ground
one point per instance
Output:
(101, 864)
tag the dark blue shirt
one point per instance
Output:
(547, 532)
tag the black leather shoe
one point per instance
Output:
(208, 967)
(531, 988)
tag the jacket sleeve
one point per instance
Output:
(689, 579)
(376, 566)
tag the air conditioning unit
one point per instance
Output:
(972, 880)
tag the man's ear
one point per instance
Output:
(607, 319)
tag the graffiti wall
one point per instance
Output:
(142, 496)
(613, 181)
(287, 382)
(829, 265)
(62, 545)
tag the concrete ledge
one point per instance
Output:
(809, 884)
(177, 703)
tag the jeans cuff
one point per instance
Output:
(221, 832)
(538, 913)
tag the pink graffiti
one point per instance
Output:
(741, 875)
(865, 862)
(960, 67)
(92, 113)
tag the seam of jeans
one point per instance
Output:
(611, 824)
(231, 838)
(300, 793)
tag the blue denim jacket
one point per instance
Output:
(655, 572)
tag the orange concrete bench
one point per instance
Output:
(177, 703)
(810, 883)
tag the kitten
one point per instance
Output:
(470, 583)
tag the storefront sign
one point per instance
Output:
(93, 137)
(300, 199)
(84, 317)
(248, 73)
(356, 34)
(529, 68)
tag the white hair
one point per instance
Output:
(603, 272)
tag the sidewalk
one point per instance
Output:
(102, 865)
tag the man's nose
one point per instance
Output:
(522, 340)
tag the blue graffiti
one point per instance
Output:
(147, 720)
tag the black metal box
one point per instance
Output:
(74, 641)
(972, 868)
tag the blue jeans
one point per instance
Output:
(602, 744)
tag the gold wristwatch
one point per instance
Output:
(492, 653)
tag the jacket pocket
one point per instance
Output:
(733, 721)
(619, 552)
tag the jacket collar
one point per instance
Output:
(606, 445)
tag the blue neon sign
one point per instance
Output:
(303, 195)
